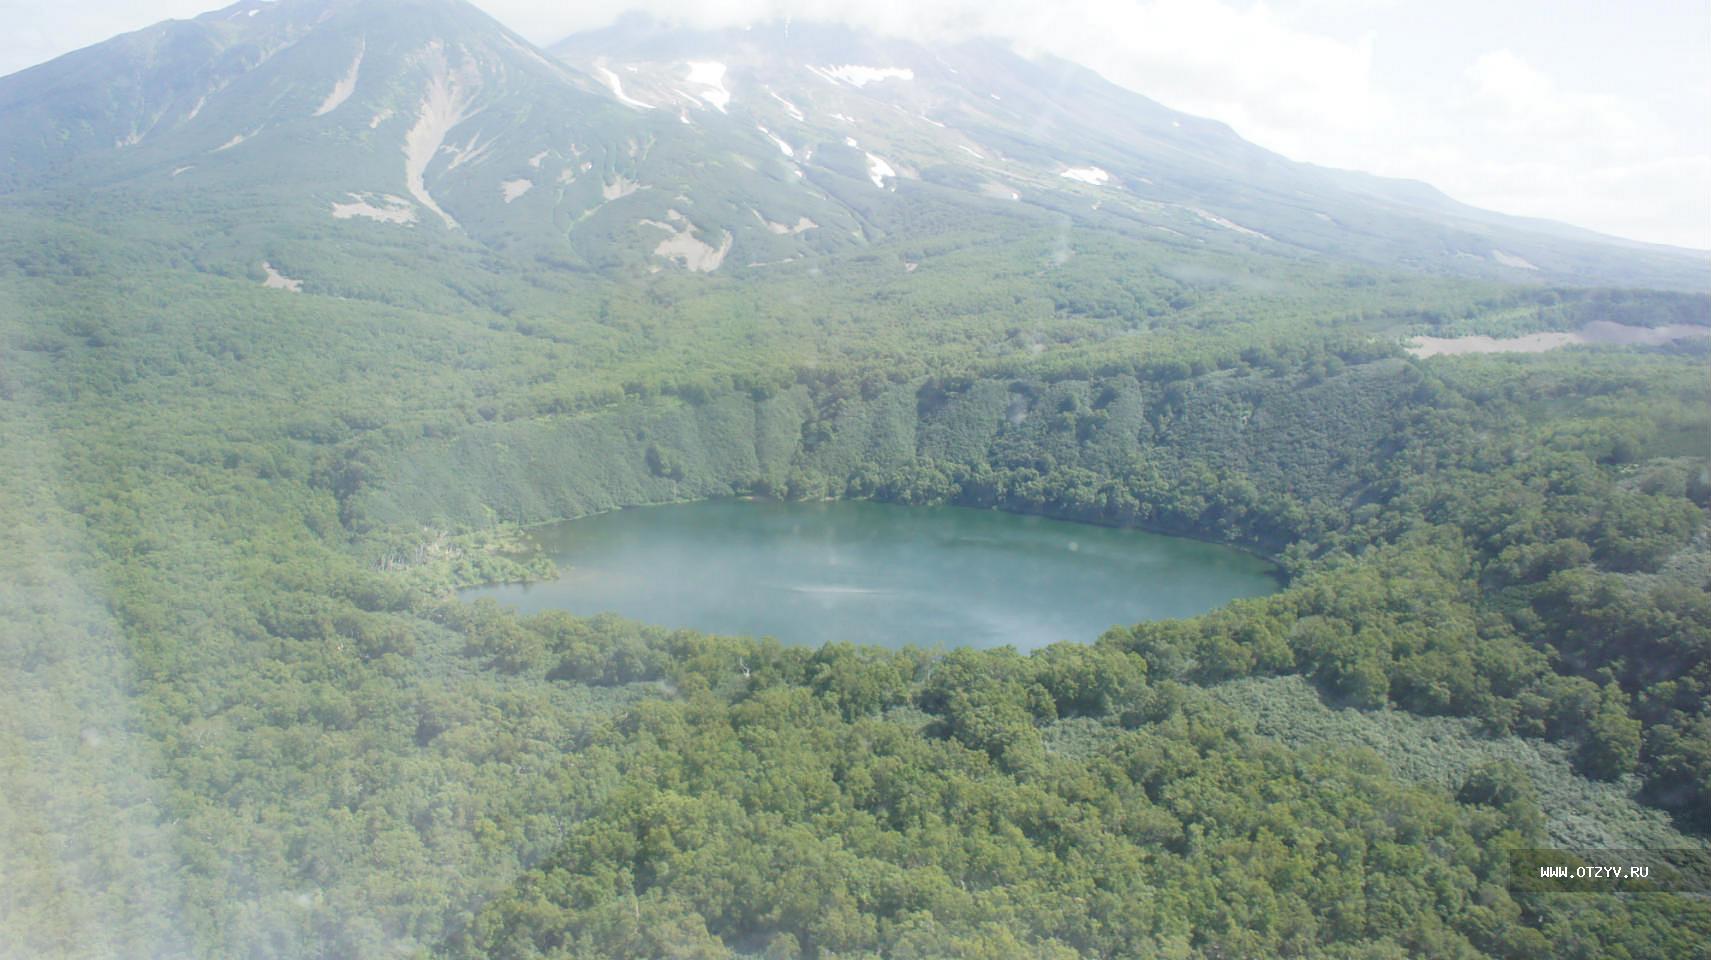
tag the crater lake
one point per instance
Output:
(876, 573)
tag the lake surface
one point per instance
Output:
(809, 573)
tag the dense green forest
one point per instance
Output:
(247, 716)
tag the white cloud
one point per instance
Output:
(1511, 139)
(1508, 138)
(1280, 86)
(1508, 94)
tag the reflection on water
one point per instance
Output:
(878, 573)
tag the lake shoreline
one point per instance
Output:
(879, 572)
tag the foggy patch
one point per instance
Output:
(824, 590)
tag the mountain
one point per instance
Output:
(979, 118)
(642, 148)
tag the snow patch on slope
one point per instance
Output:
(783, 147)
(710, 76)
(346, 84)
(859, 76)
(1089, 175)
(512, 189)
(790, 108)
(617, 87)
(878, 170)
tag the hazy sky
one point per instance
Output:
(1595, 112)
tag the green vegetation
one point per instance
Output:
(248, 720)
(813, 811)
(242, 713)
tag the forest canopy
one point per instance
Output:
(249, 717)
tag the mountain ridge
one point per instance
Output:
(298, 104)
